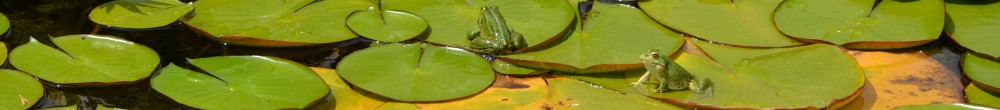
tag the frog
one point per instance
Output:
(493, 35)
(669, 76)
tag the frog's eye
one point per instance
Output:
(655, 54)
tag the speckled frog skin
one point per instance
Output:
(494, 36)
(669, 75)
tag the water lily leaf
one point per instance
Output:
(18, 90)
(345, 97)
(503, 67)
(86, 60)
(4, 24)
(736, 22)
(974, 24)
(391, 26)
(610, 39)
(574, 94)
(909, 77)
(955, 106)
(275, 22)
(855, 24)
(982, 70)
(506, 93)
(247, 82)
(417, 72)
(451, 21)
(139, 13)
(978, 95)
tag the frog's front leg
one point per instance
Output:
(472, 35)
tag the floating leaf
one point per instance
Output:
(955, 106)
(391, 26)
(978, 95)
(507, 93)
(275, 22)
(451, 21)
(503, 67)
(86, 60)
(855, 24)
(139, 13)
(573, 94)
(909, 77)
(981, 70)
(417, 72)
(4, 24)
(18, 90)
(344, 97)
(247, 82)
(974, 24)
(737, 22)
(611, 39)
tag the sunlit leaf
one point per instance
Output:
(974, 24)
(736, 22)
(278, 23)
(140, 13)
(855, 24)
(86, 60)
(417, 72)
(18, 90)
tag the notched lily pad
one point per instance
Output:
(18, 90)
(974, 24)
(417, 72)
(390, 26)
(86, 60)
(275, 23)
(610, 39)
(736, 22)
(985, 71)
(241, 82)
(855, 24)
(140, 13)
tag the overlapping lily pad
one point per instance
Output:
(977, 95)
(140, 13)
(390, 26)
(275, 23)
(736, 22)
(974, 24)
(985, 71)
(344, 96)
(86, 60)
(503, 67)
(18, 90)
(241, 82)
(577, 95)
(955, 106)
(417, 72)
(610, 39)
(451, 21)
(855, 24)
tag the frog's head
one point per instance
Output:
(651, 56)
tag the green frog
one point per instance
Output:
(494, 36)
(669, 75)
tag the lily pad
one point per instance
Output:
(344, 96)
(86, 60)
(18, 90)
(4, 24)
(577, 95)
(506, 93)
(955, 106)
(978, 95)
(610, 39)
(417, 72)
(736, 22)
(140, 13)
(974, 24)
(390, 26)
(540, 21)
(275, 23)
(243, 82)
(855, 24)
(503, 67)
(981, 70)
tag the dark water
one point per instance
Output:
(175, 43)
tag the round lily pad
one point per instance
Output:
(955, 106)
(610, 39)
(417, 72)
(855, 24)
(736, 22)
(241, 82)
(540, 21)
(18, 90)
(977, 95)
(974, 24)
(390, 26)
(86, 60)
(4, 24)
(275, 23)
(985, 71)
(140, 13)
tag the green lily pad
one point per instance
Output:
(275, 23)
(86, 60)
(344, 96)
(736, 22)
(974, 24)
(391, 26)
(4, 24)
(451, 21)
(978, 95)
(855, 24)
(578, 95)
(955, 106)
(610, 39)
(417, 72)
(247, 82)
(982, 70)
(18, 90)
(503, 67)
(140, 13)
